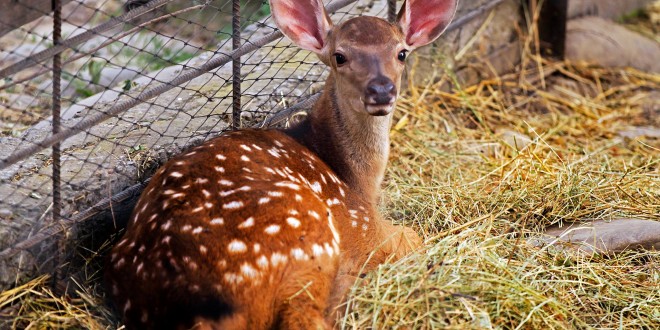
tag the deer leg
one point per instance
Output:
(399, 240)
(305, 297)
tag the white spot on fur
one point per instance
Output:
(219, 169)
(197, 209)
(317, 250)
(224, 182)
(232, 278)
(246, 148)
(328, 249)
(220, 157)
(298, 198)
(166, 225)
(201, 180)
(293, 222)
(314, 215)
(218, 221)
(233, 205)
(203, 249)
(354, 224)
(198, 230)
(277, 258)
(249, 222)
(264, 200)
(176, 174)
(335, 234)
(206, 193)
(272, 229)
(274, 153)
(245, 158)
(186, 228)
(262, 262)
(257, 247)
(333, 201)
(237, 246)
(275, 194)
(249, 271)
(316, 186)
(288, 185)
(298, 254)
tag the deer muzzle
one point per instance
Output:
(380, 96)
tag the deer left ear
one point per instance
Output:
(423, 21)
(305, 22)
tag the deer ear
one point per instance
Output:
(305, 22)
(422, 21)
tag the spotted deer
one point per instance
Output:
(261, 229)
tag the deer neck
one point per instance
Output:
(353, 143)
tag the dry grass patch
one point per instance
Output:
(481, 170)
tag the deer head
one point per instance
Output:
(366, 54)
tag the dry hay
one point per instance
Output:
(478, 171)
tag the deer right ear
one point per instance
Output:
(305, 22)
(422, 21)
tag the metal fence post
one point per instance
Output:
(57, 97)
(236, 64)
(391, 10)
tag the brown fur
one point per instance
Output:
(268, 229)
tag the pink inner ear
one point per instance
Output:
(427, 19)
(301, 21)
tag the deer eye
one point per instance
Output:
(341, 59)
(402, 55)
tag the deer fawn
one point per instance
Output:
(260, 229)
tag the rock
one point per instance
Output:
(606, 9)
(6, 214)
(634, 132)
(602, 236)
(608, 44)
(516, 140)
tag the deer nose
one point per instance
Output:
(380, 91)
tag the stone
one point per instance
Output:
(605, 9)
(605, 43)
(514, 139)
(602, 236)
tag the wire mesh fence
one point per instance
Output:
(136, 82)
